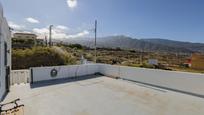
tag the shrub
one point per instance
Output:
(39, 56)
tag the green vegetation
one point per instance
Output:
(77, 46)
(39, 56)
(67, 54)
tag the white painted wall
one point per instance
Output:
(5, 37)
(183, 81)
(43, 73)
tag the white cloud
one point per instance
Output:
(16, 26)
(62, 27)
(41, 30)
(32, 20)
(78, 35)
(59, 33)
(72, 3)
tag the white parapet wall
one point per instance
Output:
(44, 73)
(190, 83)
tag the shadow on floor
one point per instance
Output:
(62, 81)
(166, 88)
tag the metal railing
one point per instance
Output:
(19, 76)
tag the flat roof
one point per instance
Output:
(102, 96)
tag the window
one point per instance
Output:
(5, 53)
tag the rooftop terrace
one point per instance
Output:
(101, 95)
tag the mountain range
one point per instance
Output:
(151, 45)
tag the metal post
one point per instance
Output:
(95, 40)
(50, 37)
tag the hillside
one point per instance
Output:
(195, 47)
(151, 45)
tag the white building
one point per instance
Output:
(5, 54)
(152, 61)
(25, 36)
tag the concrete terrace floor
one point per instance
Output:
(103, 96)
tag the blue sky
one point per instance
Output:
(181, 20)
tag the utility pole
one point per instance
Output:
(45, 40)
(142, 56)
(95, 41)
(50, 37)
